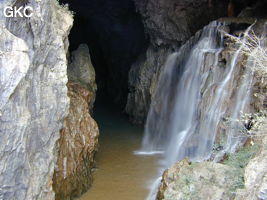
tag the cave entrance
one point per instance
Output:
(114, 33)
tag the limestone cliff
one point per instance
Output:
(33, 93)
(143, 78)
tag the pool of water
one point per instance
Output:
(120, 175)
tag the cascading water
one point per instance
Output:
(194, 95)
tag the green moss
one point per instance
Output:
(241, 158)
(239, 161)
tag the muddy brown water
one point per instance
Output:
(120, 175)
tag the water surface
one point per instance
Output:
(120, 175)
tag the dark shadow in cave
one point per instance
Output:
(114, 33)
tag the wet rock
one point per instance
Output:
(34, 102)
(77, 146)
(199, 181)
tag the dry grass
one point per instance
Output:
(254, 47)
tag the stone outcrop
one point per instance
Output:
(256, 176)
(33, 93)
(77, 146)
(199, 181)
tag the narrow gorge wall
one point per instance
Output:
(33, 96)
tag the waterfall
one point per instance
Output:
(195, 93)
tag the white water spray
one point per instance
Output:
(193, 96)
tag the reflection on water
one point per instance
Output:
(120, 174)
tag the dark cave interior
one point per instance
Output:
(114, 33)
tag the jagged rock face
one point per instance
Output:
(34, 98)
(77, 146)
(256, 175)
(198, 181)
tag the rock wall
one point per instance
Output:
(33, 93)
(77, 146)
